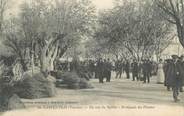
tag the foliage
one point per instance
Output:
(172, 11)
(134, 29)
(36, 86)
(73, 81)
(47, 29)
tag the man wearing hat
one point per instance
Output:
(166, 69)
(181, 62)
(174, 79)
(109, 68)
(100, 71)
(135, 70)
(146, 67)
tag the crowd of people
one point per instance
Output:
(141, 71)
(169, 72)
(102, 68)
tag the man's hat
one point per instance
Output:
(181, 57)
(167, 60)
(174, 56)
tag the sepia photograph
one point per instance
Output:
(92, 57)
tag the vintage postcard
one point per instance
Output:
(92, 57)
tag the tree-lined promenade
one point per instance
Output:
(45, 32)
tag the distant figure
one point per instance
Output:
(146, 68)
(99, 70)
(127, 69)
(105, 69)
(109, 68)
(118, 68)
(135, 70)
(91, 67)
(160, 73)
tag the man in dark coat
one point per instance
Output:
(174, 79)
(99, 70)
(91, 67)
(166, 69)
(135, 70)
(105, 69)
(127, 69)
(118, 68)
(181, 63)
(146, 68)
(109, 68)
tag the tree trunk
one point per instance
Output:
(23, 65)
(43, 60)
(49, 53)
(22, 61)
(47, 59)
(180, 32)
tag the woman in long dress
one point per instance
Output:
(160, 73)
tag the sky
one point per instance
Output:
(103, 4)
(100, 5)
